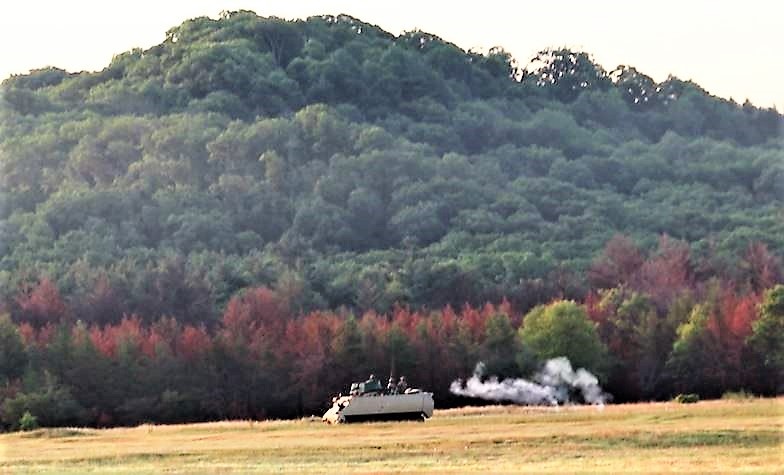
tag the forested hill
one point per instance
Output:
(342, 165)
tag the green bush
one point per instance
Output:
(28, 422)
(687, 398)
(53, 407)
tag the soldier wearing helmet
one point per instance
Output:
(373, 385)
(402, 385)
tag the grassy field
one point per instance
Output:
(714, 436)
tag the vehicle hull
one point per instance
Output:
(390, 407)
(395, 416)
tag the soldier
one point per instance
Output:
(372, 385)
(391, 387)
(402, 385)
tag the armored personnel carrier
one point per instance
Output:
(368, 402)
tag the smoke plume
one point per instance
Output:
(553, 385)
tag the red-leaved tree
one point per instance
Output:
(40, 304)
(619, 264)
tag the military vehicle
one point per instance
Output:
(368, 402)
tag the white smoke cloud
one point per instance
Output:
(551, 386)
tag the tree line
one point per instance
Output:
(654, 326)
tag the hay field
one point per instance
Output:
(713, 436)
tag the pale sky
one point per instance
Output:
(730, 48)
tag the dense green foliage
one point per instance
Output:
(563, 329)
(236, 221)
(353, 167)
(767, 339)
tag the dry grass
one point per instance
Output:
(715, 436)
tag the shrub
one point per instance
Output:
(28, 422)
